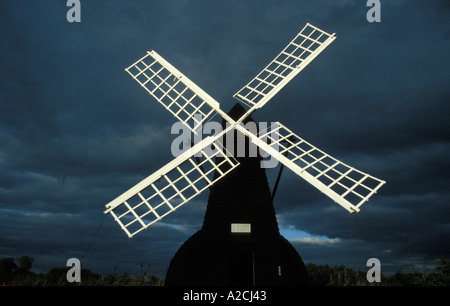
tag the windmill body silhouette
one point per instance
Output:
(239, 242)
(240, 234)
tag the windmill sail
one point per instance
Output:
(344, 184)
(308, 44)
(191, 173)
(172, 186)
(179, 95)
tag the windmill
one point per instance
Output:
(206, 164)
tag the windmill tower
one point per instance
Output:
(239, 242)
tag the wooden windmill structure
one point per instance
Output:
(239, 242)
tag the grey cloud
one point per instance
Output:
(76, 130)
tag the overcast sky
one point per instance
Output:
(76, 131)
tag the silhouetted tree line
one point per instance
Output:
(17, 272)
(323, 275)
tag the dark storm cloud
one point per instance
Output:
(76, 131)
(387, 115)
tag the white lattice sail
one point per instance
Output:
(189, 174)
(172, 186)
(306, 46)
(346, 185)
(173, 90)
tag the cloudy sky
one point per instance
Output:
(76, 131)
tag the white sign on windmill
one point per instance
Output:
(191, 173)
